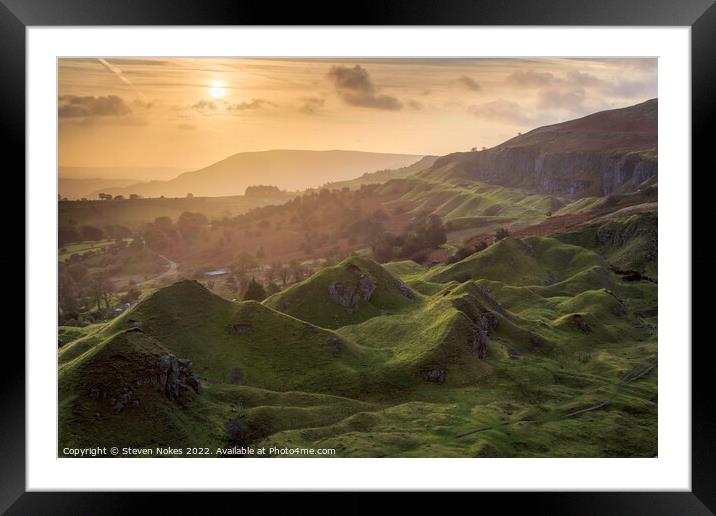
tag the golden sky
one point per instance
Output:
(187, 113)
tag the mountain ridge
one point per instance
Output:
(612, 151)
(288, 169)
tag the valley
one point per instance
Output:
(494, 303)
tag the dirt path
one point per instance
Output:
(172, 267)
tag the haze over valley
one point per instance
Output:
(477, 278)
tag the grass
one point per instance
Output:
(569, 371)
(80, 247)
(387, 296)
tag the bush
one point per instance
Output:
(501, 233)
(255, 291)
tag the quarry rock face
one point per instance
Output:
(169, 375)
(485, 323)
(575, 174)
(348, 295)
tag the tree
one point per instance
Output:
(384, 249)
(91, 233)
(231, 284)
(101, 288)
(283, 273)
(272, 288)
(243, 264)
(501, 233)
(191, 224)
(67, 234)
(189, 195)
(131, 296)
(255, 291)
(135, 196)
(434, 231)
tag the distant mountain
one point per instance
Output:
(383, 176)
(133, 174)
(607, 152)
(286, 169)
(78, 188)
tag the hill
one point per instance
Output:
(352, 291)
(135, 212)
(286, 169)
(73, 188)
(540, 331)
(383, 176)
(602, 153)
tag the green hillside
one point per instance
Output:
(531, 347)
(351, 292)
(543, 343)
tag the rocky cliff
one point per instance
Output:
(603, 153)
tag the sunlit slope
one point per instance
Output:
(532, 261)
(531, 347)
(348, 293)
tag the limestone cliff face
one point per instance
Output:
(573, 173)
(607, 152)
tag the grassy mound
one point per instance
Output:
(115, 395)
(349, 293)
(627, 243)
(532, 261)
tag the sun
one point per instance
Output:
(217, 90)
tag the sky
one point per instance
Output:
(187, 113)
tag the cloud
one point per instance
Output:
(631, 88)
(501, 110)
(468, 83)
(310, 105)
(252, 104)
(205, 105)
(356, 88)
(72, 106)
(186, 127)
(414, 104)
(583, 79)
(567, 99)
(531, 79)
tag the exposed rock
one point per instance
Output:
(405, 290)
(581, 324)
(350, 295)
(334, 344)
(236, 431)
(486, 322)
(537, 341)
(176, 375)
(366, 285)
(632, 276)
(237, 376)
(169, 375)
(436, 375)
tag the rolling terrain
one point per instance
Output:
(495, 355)
(607, 152)
(536, 341)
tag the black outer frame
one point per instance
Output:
(700, 15)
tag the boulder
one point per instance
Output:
(436, 375)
